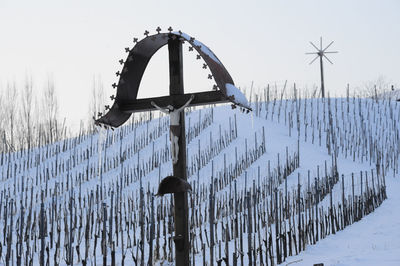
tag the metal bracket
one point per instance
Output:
(179, 243)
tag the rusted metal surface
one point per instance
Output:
(126, 102)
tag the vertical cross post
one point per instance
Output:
(181, 237)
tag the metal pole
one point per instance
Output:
(181, 237)
(322, 75)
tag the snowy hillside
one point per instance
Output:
(375, 240)
(299, 176)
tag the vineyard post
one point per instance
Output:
(211, 217)
(343, 203)
(331, 205)
(42, 235)
(361, 194)
(249, 229)
(316, 206)
(151, 232)
(299, 209)
(277, 227)
(104, 236)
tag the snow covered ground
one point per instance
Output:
(375, 240)
(365, 132)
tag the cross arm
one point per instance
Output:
(200, 98)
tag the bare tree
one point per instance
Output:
(97, 101)
(26, 113)
(375, 89)
(10, 111)
(50, 110)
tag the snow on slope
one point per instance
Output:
(375, 240)
(363, 120)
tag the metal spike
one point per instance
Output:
(210, 76)
(146, 32)
(127, 50)
(114, 85)
(158, 30)
(121, 61)
(190, 48)
(191, 39)
(107, 107)
(135, 40)
(198, 57)
(233, 106)
(215, 87)
(170, 29)
(204, 66)
(99, 114)
(117, 73)
(180, 32)
(112, 97)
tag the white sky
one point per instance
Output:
(260, 41)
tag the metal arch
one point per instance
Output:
(135, 65)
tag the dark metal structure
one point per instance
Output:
(320, 54)
(126, 103)
(172, 184)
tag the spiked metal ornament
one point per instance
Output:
(125, 99)
(121, 61)
(146, 33)
(127, 50)
(158, 30)
(321, 54)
